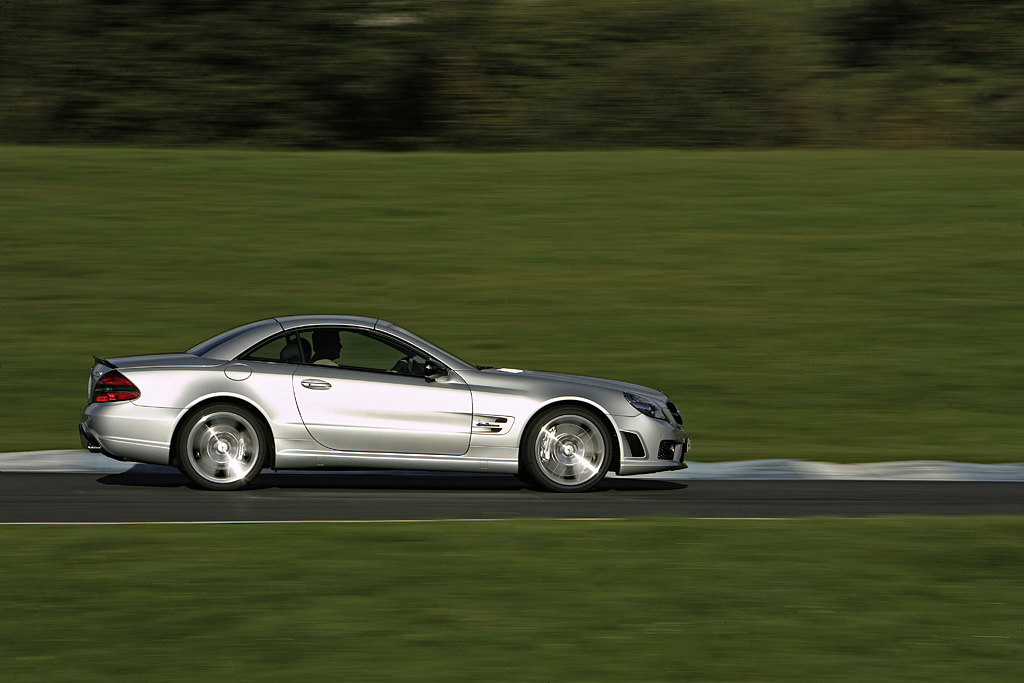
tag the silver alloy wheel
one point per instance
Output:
(570, 450)
(223, 447)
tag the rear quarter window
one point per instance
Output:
(204, 347)
(275, 351)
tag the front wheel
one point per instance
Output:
(222, 446)
(566, 449)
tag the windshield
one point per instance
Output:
(425, 345)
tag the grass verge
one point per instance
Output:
(843, 306)
(894, 599)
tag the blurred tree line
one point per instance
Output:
(513, 74)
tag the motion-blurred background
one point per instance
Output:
(800, 219)
(513, 74)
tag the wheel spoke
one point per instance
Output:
(573, 429)
(586, 465)
(209, 435)
(236, 469)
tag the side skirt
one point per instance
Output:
(318, 460)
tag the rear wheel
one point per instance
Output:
(566, 449)
(222, 446)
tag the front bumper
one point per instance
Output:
(651, 445)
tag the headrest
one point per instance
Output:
(290, 353)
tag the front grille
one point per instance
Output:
(667, 450)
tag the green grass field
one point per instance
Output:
(831, 305)
(844, 306)
(656, 600)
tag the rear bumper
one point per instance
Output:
(128, 432)
(89, 443)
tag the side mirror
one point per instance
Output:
(432, 370)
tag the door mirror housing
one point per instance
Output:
(433, 370)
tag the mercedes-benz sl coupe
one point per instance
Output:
(321, 392)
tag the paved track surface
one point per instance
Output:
(146, 496)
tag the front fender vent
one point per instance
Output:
(492, 424)
(635, 445)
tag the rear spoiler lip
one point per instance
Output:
(104, 361)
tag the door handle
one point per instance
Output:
(315, 384)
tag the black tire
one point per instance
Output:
(566, 449)
(222, 447)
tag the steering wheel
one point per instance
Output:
(402, 366)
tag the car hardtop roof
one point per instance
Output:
(228, 345)
(290, 322)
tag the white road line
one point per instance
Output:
(392, 521)
(72, 461)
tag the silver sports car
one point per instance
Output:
(320, 392)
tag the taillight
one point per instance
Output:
(113, 386)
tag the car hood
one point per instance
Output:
(599, 382)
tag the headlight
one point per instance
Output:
(646, 407)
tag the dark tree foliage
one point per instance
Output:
(935, 71)
(863, 36)
(511, 74)
(879, 33)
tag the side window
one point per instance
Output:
(339, 347)
(284, 349)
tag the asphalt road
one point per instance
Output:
(167, 497)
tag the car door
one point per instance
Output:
(366, 393)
